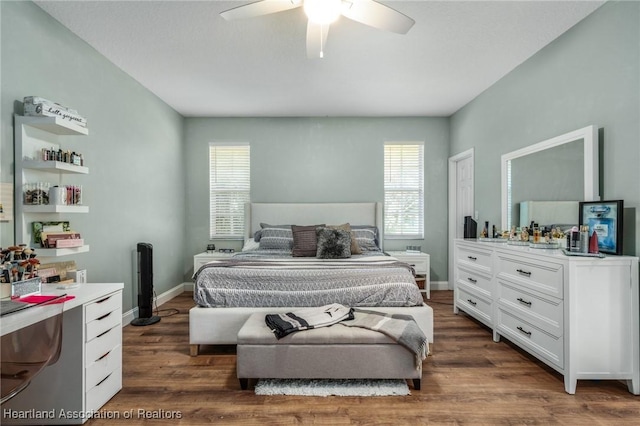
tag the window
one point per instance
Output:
(229, 187)
(404, 190)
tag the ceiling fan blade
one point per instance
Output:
(316, 39)
(264, 7)
(377, 15)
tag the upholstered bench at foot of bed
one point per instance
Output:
(335, 352)
(220, 326)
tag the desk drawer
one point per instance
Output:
(101, 368)
(546, 277)
(103, 323)
(97, 396)
(102, 344)
(103, 306)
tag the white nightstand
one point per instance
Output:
(207, 256)
(421, 263)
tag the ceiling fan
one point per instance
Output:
(322, 13)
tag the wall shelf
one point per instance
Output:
(54, 208)
(31, 135)
(55, 125)
(54, 167)
(57, 252)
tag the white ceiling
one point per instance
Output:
(204, 66)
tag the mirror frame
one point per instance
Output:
(591, 176)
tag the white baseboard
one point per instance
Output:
(128, 316)
(440, 285)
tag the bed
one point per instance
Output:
(266, 278)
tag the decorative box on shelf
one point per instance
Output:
(26, 287)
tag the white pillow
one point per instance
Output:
(250, 244)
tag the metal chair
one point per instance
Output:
(24, 353)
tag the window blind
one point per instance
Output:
(404, 190)
(229, 186)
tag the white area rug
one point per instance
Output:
(337, 387)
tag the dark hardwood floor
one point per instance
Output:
(469, 379)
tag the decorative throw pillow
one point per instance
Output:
(276, 238)
(355, 248)
(333, 243)
(258, 234)
(366, 239)
(373, 230)
(304, 240)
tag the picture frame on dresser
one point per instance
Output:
(605, 219)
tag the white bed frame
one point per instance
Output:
(220, 326)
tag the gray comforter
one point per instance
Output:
(373, 280)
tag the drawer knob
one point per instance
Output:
(523, 331)
(472, 280)
(472, 258)
(523, 272)
(472, 302)
(524, 302)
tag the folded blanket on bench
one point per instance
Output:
(399, 327)
(306, 318)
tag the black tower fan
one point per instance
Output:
(145, 286)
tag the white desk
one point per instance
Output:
(89, 370)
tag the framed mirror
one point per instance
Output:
(560, 169)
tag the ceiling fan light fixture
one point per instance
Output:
(323, 12)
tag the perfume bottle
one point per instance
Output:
(584, 238)
(593, 243)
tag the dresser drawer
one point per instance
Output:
(475, 257)
(546, 277)
(530, 337)
(472, 278)
(102, 344)
(544, 312)
(98, 395)
(103, 306)
(98, 370)
(476, 306)
(103, 323)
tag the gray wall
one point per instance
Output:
(320, 160)
(135, 188)
(589, 75)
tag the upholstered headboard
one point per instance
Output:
(312, 213)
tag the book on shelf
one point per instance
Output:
(53, 240)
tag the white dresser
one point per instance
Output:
(89, 370)
(579, 315)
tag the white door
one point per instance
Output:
(464, 193)
(460, 199)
